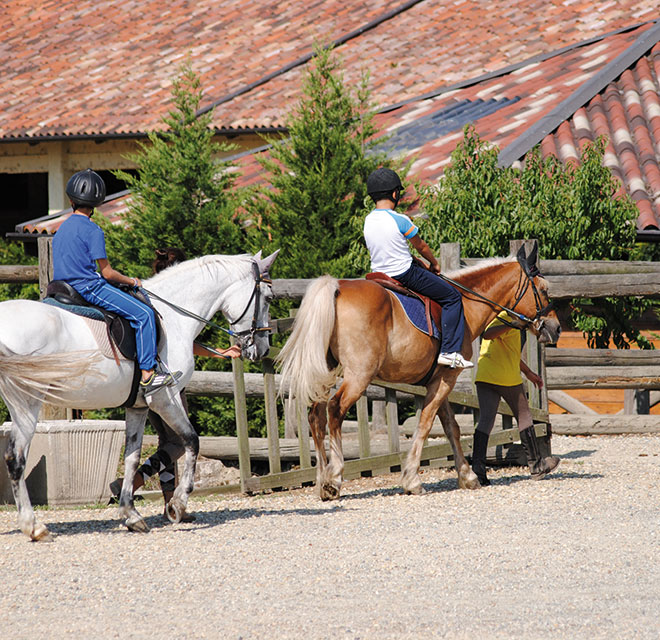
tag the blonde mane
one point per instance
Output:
(487, 263)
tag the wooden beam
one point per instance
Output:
(584, 425)
(601, 357)
(612, 377)
(16, 273)
(603, 285)
(569, 403)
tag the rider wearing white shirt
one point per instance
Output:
(387, 234)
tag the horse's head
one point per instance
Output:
(252, 327)
(533, 299)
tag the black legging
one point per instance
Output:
(489, 398)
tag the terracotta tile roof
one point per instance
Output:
(104, 67)
(560, 98)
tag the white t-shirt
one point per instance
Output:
(386, 233)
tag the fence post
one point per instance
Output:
(303, 435)
(392, 418)
(240, 408)
(45, 249)
(272, 425)
(364, 442)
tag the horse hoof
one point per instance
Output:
(137, 524)
(41, 534)
(471, 482)
(329, 492)
(417, 490)
(176, 511)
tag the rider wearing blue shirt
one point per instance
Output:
(78, 246)
(387, 234)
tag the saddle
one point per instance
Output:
(120, 332)
(432, 309)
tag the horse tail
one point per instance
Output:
(304, 357)
(45, 376)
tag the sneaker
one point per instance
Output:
(454, 361)
(158, 380)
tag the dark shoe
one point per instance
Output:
(158, 380)
(539, 467)
(479, 448)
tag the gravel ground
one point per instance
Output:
(576, 555)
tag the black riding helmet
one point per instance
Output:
(86, 189)
(382, 182)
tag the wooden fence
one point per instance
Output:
(367, 451)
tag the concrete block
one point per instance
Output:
(69, 462)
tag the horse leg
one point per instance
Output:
(24, 424)
(437, 391)
(135, 419)
(338, 405)
(168, 405)
(467, 479)
(317, 423)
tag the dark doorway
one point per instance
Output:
(24, 197)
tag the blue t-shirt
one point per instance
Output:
(77, 245)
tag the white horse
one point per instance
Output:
(47, 353)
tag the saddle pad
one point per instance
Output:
(100, 332)
(85, 312)
(416, 313)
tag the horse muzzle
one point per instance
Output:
(547, 329)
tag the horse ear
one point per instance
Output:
(257, 256)
(521, 255)
(533, 255)
(264, 264)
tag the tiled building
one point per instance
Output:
(83, 81)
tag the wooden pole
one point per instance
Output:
(45, 249)
(240, 408)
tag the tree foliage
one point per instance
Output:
(318, 174)
(571, 209)
(181, 196)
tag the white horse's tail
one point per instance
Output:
(304, 356)
(43, 376)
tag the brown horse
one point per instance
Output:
(357, 328)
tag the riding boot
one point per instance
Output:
(479, 447)
(538, 467)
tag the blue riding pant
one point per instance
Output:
(140, 316)
(428, 284)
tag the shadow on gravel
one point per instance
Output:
(205, 519)
(580, 453)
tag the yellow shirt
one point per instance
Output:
(499, 358)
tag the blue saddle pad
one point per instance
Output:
(79, 310)
(416, 313)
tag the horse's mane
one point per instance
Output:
(228, 264)
(484, 265)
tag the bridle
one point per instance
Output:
(239, 335)
(256, 296)
(525, 280)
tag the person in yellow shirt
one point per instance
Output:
(498, 377)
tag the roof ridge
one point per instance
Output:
(548, 123)
(308, 56)
(541, 57)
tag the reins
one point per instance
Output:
(256, 294)
(540, 309)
